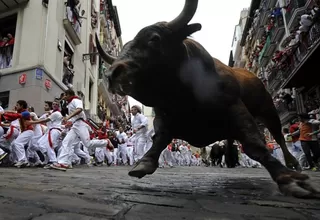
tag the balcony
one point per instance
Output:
(103, 86)
(72, 24)
(260, 32)
(274, 80)
(6, 5)
(295, 9)
(278, 30)
(266, 52)
(286, 111)
(301, 60)
(263, 18)
(270, 3)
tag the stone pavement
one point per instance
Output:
(195, 193)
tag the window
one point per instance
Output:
(68, 72)
(4, 99)
(90, 90)
(7, 37)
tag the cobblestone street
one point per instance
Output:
(198, 193)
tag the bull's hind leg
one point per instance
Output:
(231, 154)
(290, 182)
(149, 162)
(269, 117)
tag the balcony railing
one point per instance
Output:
(286, 110)
(292, 62)
(278, 30)
(292, 6)
(72, 24)
(274, 80)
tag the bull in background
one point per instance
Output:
(163, 68)
(213, 154)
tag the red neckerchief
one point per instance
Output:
(57, 110)
(72, 98)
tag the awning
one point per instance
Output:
(6, 5)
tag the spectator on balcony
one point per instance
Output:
(6, 51)
(73, 15)
(315, 28)
(277, 56)
(287, 98)
(276, 12)
(295, 38)
(305, 22)
(68, 72)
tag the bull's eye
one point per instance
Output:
(154, 40)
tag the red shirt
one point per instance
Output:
(292, 129)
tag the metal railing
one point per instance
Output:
(292, 6)
(301, 50)
(283, 107)
(279, 23)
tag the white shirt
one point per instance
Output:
(36, 128)
(15, 123)
(139, 120)
(122, 137)
(45, 115)
(305, 21)
(73, 106)
(55, 120)
(183, 148)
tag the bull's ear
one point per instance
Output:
(190, 29)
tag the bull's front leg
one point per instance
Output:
(149, 162)
(246, 131)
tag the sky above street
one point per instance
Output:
(218, 19)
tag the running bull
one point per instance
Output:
(189, 90)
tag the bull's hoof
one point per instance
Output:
(297, 185)
(145, 166)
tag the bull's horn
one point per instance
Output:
(105, 56)
(185, 16)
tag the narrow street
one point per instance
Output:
(177, 193)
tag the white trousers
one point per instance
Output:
(122, 153)
(139, 146)
(101, 154)
(51, 136)
(130, 155)
(18, 145)
(78, 131)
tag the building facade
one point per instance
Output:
(46, 55)
(282, 51)
(237, 57)
(110, 105)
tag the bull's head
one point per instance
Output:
(149, 64)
